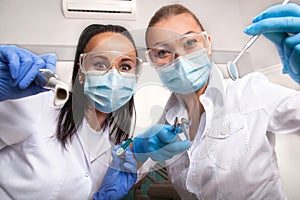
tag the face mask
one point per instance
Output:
(110, 91)
(186, 74)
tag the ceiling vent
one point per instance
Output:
(100, 9)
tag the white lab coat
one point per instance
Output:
(232, 156)
(33, 163)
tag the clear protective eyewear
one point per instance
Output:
(165, 52)
(100, 62)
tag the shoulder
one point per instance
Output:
(253, 91)
(248, 81)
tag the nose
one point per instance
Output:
(114, 66)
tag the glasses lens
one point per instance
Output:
(166, 52)
(160, 56)
(98, 63)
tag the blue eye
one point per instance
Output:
(99, 66)
(162, 53)
(190, 43)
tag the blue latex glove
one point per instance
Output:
(119, 178)
(159, 143)
(18, 69)
(281, 25)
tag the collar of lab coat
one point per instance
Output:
(95, 142)
(213, 101)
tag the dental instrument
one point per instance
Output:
(47, 79)
(122, 149)
(183, 123)
(176, 122)
(231, 65)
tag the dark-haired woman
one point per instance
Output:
(64, 152)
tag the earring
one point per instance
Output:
(80, 79)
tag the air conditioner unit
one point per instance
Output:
(100, 9)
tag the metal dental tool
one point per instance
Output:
(48, 80)
(183, 124)
(175, 124)
(231, 65)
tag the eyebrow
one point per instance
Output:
(158, 43)
(100, 56)
(126, 59)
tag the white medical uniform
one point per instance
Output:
(232, 156)
(34, 165)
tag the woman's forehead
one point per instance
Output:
(172, 27)
(109, 41)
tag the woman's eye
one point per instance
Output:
(190, 43)
(125, 67)
(99, 66)
(162, 53)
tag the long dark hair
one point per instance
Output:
(72, 113)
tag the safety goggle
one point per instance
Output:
(165, 52)
(100, 62)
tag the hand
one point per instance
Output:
(159, 142)
(120, 177)
(281, 25)
(18, 69)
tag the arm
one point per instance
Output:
(281, 25)
(18, 70)
(120, 177)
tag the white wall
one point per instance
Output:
(41, 22)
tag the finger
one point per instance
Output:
(178, 129)
(178, 146)
(153, 130)
(9, 56)
(32, 72)
(130, 163)
(50, 60)
(276, 38)
(116, 161)
(168, 134)
(170, 150)
(25, 65)
(160, 156)
(20, 62)
(290, 46)
(295, 60)
(279, 11)
(129, 157)
(131, 168)
(117, 146)
(284, 24)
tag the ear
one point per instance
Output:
(81, 76)
(208, 51)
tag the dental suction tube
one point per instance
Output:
(49, 80)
